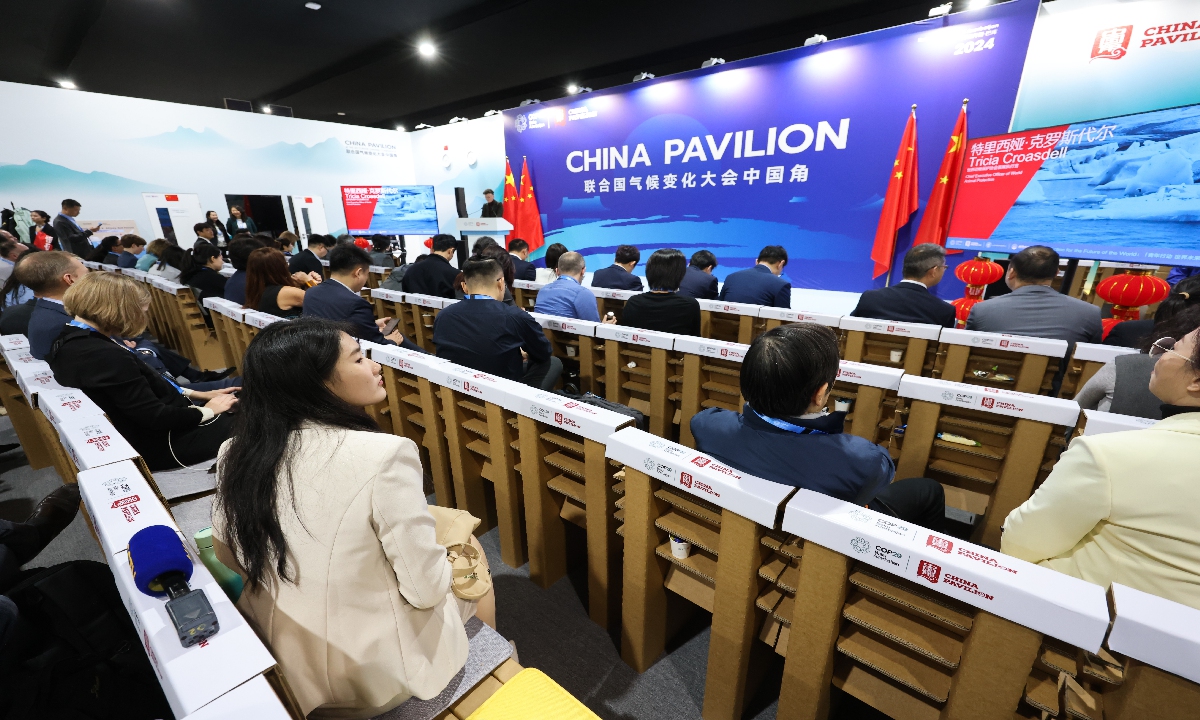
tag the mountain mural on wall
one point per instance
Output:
(329, 154)
(38, 175)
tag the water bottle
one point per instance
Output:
(229, 581)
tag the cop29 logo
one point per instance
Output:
(860, 545)
(521, 123)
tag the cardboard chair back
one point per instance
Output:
(182, 320)
(773, 317)
(1012, 362)
(641, 370)
(525, 293)
(390, 304)
(423, 309)
(1095, 422)
(711, 379)
(571, 341)
(612, 300)
(1086, 359)
(24, 373)
(876, 342)
(225, 314)
(986, 446)
(731, 322)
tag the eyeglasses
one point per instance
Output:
(1163, 346)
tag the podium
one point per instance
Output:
(496, 228)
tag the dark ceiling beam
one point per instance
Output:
(71, 27)
(859, 15)
(394, 45)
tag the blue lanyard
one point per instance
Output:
(789, 427)
(85, 326)
(480, 297)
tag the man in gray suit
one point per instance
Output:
(1034, 308)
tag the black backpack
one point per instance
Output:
(75, 654)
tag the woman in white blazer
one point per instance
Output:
(1123, 507)
(325, 518)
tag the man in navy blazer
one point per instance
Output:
(761, 284)
(339, 298)
(911, 299)
(699, 282)
(619, 275)
(522, 268)
(48, 275)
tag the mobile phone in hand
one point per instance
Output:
(390, 327)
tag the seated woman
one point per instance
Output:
(169, 426)
(170, 263)
(202, 271)
(286, 242)
(270, 288)
(1122, 507)
(106, 252)
(381, 251)
(663, 309)
(152, 255)
(785, 435)
(324, 516)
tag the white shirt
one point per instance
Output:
(916, 282)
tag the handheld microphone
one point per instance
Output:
(161, 567)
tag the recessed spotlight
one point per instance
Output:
(341, 113)
(572, 88)
(267, 109)
(312, 5)
(976, 4)
(67, 85)
(427, 48)
(400, 128)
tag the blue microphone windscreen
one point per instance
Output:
(153, 551)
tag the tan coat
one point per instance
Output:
(1120, 507)
(370, 620)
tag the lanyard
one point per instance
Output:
(480, 297)
(784, 425)
(85, 326)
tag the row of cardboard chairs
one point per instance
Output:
(867, 627)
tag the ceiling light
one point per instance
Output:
(67, 85)
(457, 120)
(941, 10)
(423, 126)
(976, 4)
(341, 113)
(643, 76)
(267, 109)
(490, 113)
(572, 88)
(400, 128)
(529, 101)
(312, 5)
(815, 40)
(712, 61)
(427, 48)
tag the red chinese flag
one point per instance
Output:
(935, 223)
(529, 220)
(510, 201)
(901, 200)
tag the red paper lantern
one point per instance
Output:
(1128, 292)
(977, 274)
(363, 243)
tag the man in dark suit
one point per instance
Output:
(699, 282)
(911, 299)
(309, 259)
(522, 270)
(48, 275)
(72, 237)
(433, 275)
(339, 298)
(761, 284)
(619, 275)
(491, 208)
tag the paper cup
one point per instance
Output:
(897, 355)
(841, 405)
(680, 548)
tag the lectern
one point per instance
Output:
(469, 228)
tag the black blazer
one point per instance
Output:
(15, 318)
(305, 261)
(494, 208)
(209, 282)
(70, 238)
(48, 228)
(523, 270)
(142, 406)
(698, 284)
(432, 276)
(334, 301)
(905, 302)
(615, 277)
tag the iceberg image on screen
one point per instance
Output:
(405, 210)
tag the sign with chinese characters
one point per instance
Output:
(790, 148)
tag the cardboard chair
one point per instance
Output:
(1095, 422)
(871, 391)
(566, 478)
(993, 469)
(573, 343)
(773, 317)
(1012, 362)
(1085, 361)
(918, 625)
(423, 310)
(525, 292)
(188, 330)
(324, 268)
(641, 371)
(712, 372)
(226, 315)
(874, 341)
(612, 300)
(376, 274)
(20, 410)
(730, 322)
(390, 304)
(671, 490)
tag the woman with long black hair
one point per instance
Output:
(324, 516)
(105, 252)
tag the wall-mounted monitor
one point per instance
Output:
(390, 209)
(1125, 189)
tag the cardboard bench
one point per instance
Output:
(712, 372)
(670, 490)
(727, 321)
(525, 292)
(1095, 422)
(423, 309)
(181, 320)
(773, 317)
(573, 342)
(19, 406)
(642, 371)
(376, 274)
(390, 304)
(871, 391)
(916, 624)
(1085, 361)
(612, 300)
(989, 479)
(873, 342)
(1012, 362)
(226, 315)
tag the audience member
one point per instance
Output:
(239, 221)
(106, 252)
(490, 249)
(1141, 333)
(566, 296)
(150, 258)
(131, 246)
(1181, 272)
(761, 284)
(340, 298)
(270, 288)
(10, 251)
(69, 233)
(619, 275)
(523, 269)
(785, 435)
(434, 275)
(493, 337)
(482, 244)
(553, 252)
(41, 232)
(381, 251)
(239, 252)
(286, 243)
(309, 259)
(325, 518)
(156, 416)
(170, 265)
(699, 281)
(202, 271)
(21, 542)
(17, 301)
(663, 309)
(1034, 308)
(223, 235)
(205, 232)
(1121, 507)
(911, 300)
(49, 275)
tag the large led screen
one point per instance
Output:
(390, 209)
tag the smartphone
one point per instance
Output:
(390, 327)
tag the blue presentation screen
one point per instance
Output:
(390, 209)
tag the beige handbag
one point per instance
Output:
(454, 527)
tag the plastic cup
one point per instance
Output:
(897, 355)
(841, 405)
(680, 548)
